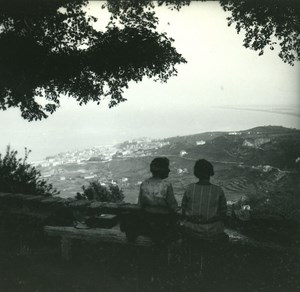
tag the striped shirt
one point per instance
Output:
(204, 206)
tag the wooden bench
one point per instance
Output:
(68, 234)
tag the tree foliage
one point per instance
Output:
(96, 191)
(50, 48)
(18, 176)
(267, 23)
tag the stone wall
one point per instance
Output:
(28, 214)
(24, 216)
(59, 211)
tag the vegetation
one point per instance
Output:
(269, 24)
(18, 176)
(96, 191)
(50, 48)
(281, 202)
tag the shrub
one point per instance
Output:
(18, 176)
(282, 204)
(98, 192)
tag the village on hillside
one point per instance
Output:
(127, 164)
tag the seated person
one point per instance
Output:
(204, 205)
(158, 205)
(156, 193)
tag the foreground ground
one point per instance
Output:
(37, 266)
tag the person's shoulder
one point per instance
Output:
(190, 186)
(146, 181)
(166, 182)
(216, 188)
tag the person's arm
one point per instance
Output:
(171, 200)
(140, 197)
(184, 203)
(222, 205)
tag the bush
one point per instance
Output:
(18, 176)
(98, 192)
(281, 204)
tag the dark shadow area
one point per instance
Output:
(117, 268)
(31, 261)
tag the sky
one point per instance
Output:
(223, 87)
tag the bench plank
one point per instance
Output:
(95, 235)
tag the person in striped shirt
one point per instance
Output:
(204, 204)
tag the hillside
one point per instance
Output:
(275, 146)
(247, 163)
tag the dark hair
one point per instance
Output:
(159, 163)
(203, 169)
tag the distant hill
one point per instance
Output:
(269, 145)
(192, 139)
(251, 162)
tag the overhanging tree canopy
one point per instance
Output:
(50, 47)
(267, 23)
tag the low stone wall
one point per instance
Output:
(56, 210)
(26, 215)
(23, 217)
(60, 211)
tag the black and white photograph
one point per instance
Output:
(149, 146)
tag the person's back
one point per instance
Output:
(204, 207)
(157, 202)
(204, 204)
(156, 195)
